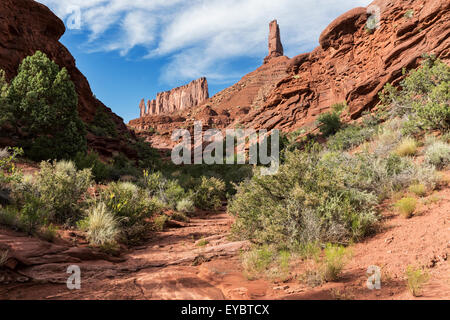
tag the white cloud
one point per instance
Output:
(201, 37)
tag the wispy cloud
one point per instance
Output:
(200, 37)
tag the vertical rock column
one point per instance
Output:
(275, 45)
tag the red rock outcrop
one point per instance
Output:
(178, 99)
(353, 63)
(275, 45)
(229, 106)
(27, 26)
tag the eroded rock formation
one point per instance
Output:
(230, 105)
(353, 62)
(178, 99)
(275, 45)
(27, 26)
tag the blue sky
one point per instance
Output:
(133, 49)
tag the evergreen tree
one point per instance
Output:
(44, 104)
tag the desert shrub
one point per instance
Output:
(101, 226)
(159, 222)
(209, 193)
(173, 193)
(100, 171)
(424, 97)
(8, 171)
(44, 103)
(33, 214)
(416, 278)
(289, 208)
(330, 122)
(418, 189)
(185, 205)
(406, 206)
(60, 187)
(334, 261)
(132, 207)
(257, 260)
(350, 137)
(407, 147)
(438, 154)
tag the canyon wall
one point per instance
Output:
(353, 62)
(27, 26)
(178, 99)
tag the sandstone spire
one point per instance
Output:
(142, 107)
(275, 45)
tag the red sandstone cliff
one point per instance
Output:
(182, 98)
(353, 63)
(27, 26)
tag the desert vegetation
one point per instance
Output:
(325, 196)
(330, 193)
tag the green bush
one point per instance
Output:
(424, 97)
(60, 188)
(350, 137)
(209, 193)
(102, 125)
(438, 154)
(330, 122)
(132, 207)
(100, 170)
(44, 105)
(8, 170)
(314, 197)
(173, 193)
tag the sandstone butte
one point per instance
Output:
(352, 64)
(178, 99)
(27, 26)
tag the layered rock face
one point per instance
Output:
(27, 26)
(353, 63)
(178, 99)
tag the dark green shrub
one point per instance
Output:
(102, 125)
(100, 170)
(330, 122)
(44, 104)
